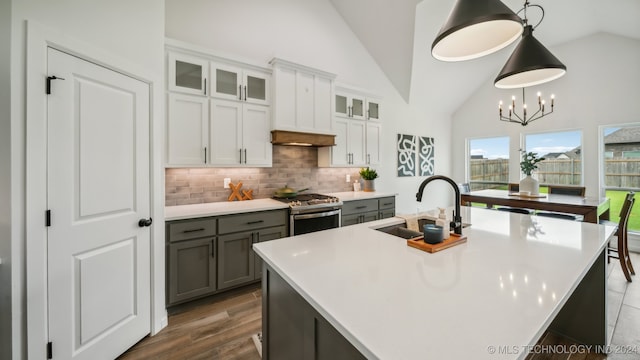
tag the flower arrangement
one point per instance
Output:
(368, 174)
(529, 162)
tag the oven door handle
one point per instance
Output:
(316, 215)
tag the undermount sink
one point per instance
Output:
(400, 231)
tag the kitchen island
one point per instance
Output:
(491, 297)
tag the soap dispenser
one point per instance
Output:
(442, 221)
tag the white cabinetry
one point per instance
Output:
(239, 134)
(222, 122)
(358, 131)
(187, 129)
(302, 98)
(187, 74)
(236, 83)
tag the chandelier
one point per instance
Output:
(526, 118)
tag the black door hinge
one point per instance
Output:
(47, 218)
(49, 350)
(49, 78)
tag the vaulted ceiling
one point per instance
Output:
(387, 28)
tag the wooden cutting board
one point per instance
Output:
(452, 240)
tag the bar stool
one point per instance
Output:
(622, 251)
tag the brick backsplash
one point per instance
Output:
(292, 165)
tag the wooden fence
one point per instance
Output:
(623, 173)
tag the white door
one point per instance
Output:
(340, 155)
(98, 190)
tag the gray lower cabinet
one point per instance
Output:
(192, 267)
(294, 330)
(361, 211)
(238, 263)
(207, 255)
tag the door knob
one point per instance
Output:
(145, 222)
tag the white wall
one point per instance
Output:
(600, 88)
(130, 31)
(5, 181)
(312, 33)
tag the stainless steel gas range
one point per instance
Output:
(313, 212)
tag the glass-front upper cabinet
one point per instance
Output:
(373, 109)
(188, 74)
(349, 105)
(234, 83)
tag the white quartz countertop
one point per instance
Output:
(221, 208)
(360, 195)
(503, 287)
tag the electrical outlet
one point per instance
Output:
(348, 178)
(226, 182)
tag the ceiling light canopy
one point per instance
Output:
(530, 64)
(476, 28)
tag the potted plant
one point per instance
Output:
(368, 176)
(528, 164)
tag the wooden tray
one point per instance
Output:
(452, 240)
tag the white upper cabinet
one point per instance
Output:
(237, 83)
(218, 110)
(187, 74)
(355, 105)
(187, 129)
(302, 98)
(239, 134)
(358, 130)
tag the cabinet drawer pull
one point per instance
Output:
(361, 207)
(240, 92)
(255, 222)
(193, 230)
(387, 204)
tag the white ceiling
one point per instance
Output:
(388, 29)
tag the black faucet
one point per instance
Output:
(456, 224)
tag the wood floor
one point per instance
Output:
(221, 327)
(218, 327)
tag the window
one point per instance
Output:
(621, 165)
(488, 163)
(563, 156)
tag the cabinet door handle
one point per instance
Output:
(205, 154)
(239, 92)
(240, 156)
(350, 111)
(368, 158)
(213, 247)
(193, 230)
(205, 86)
(245, 93)
(245, 155)
(255, 222)
(368, 114)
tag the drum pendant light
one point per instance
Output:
(476, 28)
(530, 63)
